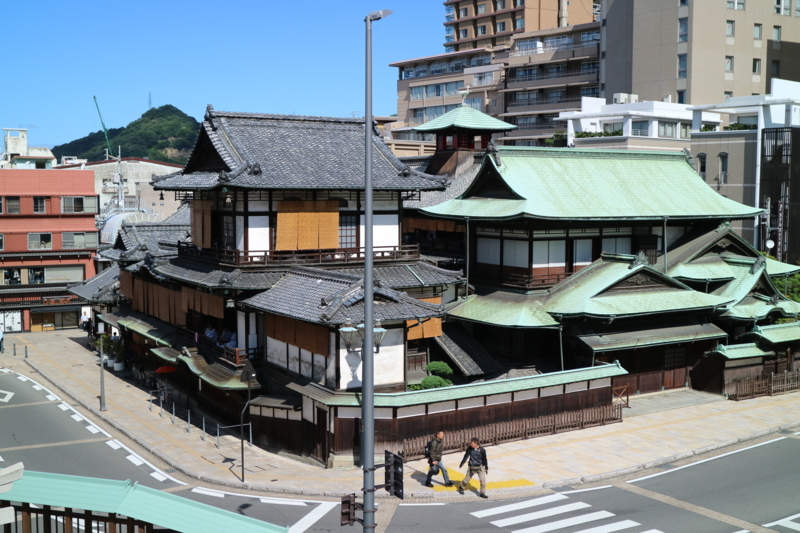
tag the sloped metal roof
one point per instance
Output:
(465, 117)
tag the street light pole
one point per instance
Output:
(102, 377)
(367, 354)
(247, 372)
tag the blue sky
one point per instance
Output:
(302, 57)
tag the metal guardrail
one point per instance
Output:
(538, 77)
(542, 101)
(551, 48)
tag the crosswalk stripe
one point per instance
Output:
(789, 525)
(540, 514)
(616, 526)
(517, 506)
(568, 522)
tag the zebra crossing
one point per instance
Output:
(559, 513)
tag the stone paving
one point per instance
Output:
(658, 434)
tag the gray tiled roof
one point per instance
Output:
(457, 183)
(419, 274)
(101, 288)
(136, 240)
(291, 152)
(469, 356)
(182, 216)
(331, 297)
(208, 277)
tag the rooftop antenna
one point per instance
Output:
(110, 155)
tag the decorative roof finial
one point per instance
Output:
(464, 92)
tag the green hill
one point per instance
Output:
(162, 134)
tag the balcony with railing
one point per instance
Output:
(519, 281)
(209, 348)
(283, 258)
(528, 130)
(561, 52)
(557, 79)
(544, 104)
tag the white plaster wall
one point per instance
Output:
(258, 205)
(252, 339)
(449, 294)
(241, 339)
(305, 363)
(240, 233)
(276, 352)
(332, 361)
(318, 368)
(258, 232)
(386, 231)
(388, 362)
(294, 358)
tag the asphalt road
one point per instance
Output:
(754, 485)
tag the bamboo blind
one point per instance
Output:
(126, 284)
(431, 327)
(305, 335)
(307, 225)
(202, 302)
(411, 224)
(201, 223)
(328, 212)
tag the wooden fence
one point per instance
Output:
(525, 428)
(770, 385)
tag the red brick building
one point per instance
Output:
(47, 239)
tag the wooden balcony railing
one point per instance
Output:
(252, 258)
(525, 281)
(208, 347)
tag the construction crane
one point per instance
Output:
(110, 155)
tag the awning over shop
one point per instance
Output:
(149, 327)
(55, 309)
(278, 402)
(469, 356)
(741, 351)
(166, 353)
(777, 333)
(640, 338)
(222, 377)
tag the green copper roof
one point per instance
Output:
(741, 351)
(704, 269)
(626, 340)
(152, 328)
(166, 353)
(458, 392)
(136, 501)
(776, 268)
(465, 118)
(575, 184)
(505, 309)
(777, 333)
(758, 307)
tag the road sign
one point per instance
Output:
(349, 508)
(394, 474)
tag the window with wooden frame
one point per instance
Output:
(348, 231)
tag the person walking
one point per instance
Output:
(1, 341)
(84, 320)
(434, 451)
(475, 456)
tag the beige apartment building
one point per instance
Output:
(697, 51)
(473, 24)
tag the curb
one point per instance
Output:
(510, 491)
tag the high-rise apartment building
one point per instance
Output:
(698, 51)
(491, 23)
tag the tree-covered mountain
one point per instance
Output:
(162, 134)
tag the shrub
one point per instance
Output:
(434, 382)
(439, 368)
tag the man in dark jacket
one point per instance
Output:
(475, 456)
(436, 446)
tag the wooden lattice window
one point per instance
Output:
(348, 231)
(674, 357)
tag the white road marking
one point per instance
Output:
(37, 387)
(561, 524)
(587, 490)
(63, 406)
(283, 501)
(419, 504)
(540, 514)
(610, 528)
(93, 429)
(76, 417)
(311, 518)
(81, 417)
(51, 397)
(22, 378)
(783, 521)
(143, 461)
(5, 396)
(704, 461)
(209, 492)
(113, 444)
(263, 499)
(158, 476)
(517, 506)
(5, 370)
(1, 458)
(135, 460)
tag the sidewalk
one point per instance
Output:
(655, 438)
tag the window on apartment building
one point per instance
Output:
(437, 68)
(474, 103)
(797, 9)
(79, 204)
(682, 97)
(519, 3)
(480, 60)
(421, 71)
(500, 4)
(682, 65)
(730, 28)
(727, 95)
(683, 30)
(463, 12)
(462, 34)
(12, 205)
(519, 24)
(756, 66)
(81, 240)
(590, 36)
(417, 93)
(640, 128)
(494, 104)
(701, 165)
(783, 7)
(449, 30)
(481, 9)
(449, 38)
(723, 167)
(590, 67)
(685, 131)
(736, 4)
(683, 3)
(40, 241)
(1, 242)
(39, 205)
(450, 17)
(500, 27)
(775, 71)
(776, 33)
(484, 78)
(35, 276)
(482, 29)
(450, 48)
(667, 129)
(1, 205)
(728, 63)
(449, 9)
(757, 32)
(591, 91)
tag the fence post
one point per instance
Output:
(26, 351)
(188, 421)
(15, 349)
(251, 433)
(173, 412)
(204, 429)
(217, 435)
